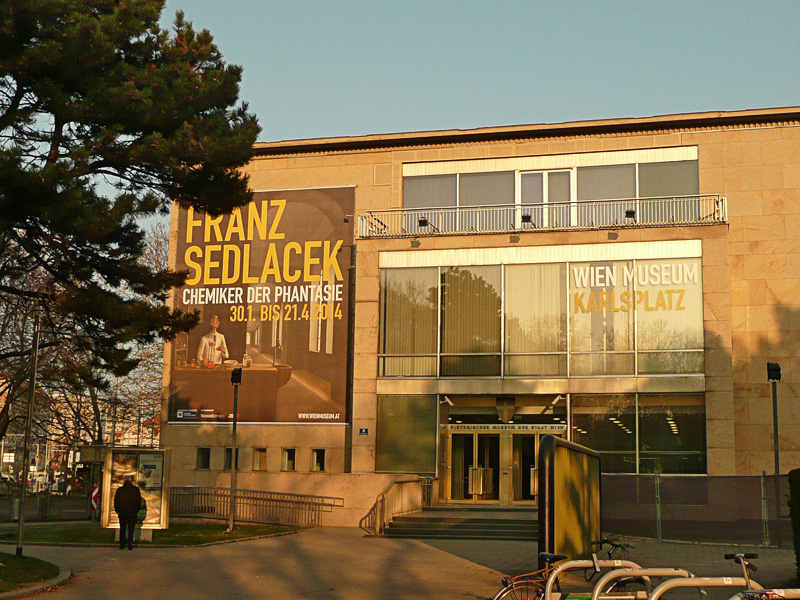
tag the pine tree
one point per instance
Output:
(106, 118)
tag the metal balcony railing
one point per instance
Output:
(558, 216)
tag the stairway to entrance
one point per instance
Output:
(467, 523)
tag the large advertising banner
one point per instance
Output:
(271, 284)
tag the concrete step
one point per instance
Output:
(423, 534)
(492, 523)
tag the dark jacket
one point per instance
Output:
(127, 500)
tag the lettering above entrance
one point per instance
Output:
(538, 428)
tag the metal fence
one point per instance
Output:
(252, 506)
(46, 507)
(708, 209)
(750, 510)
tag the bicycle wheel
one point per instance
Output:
(523, 589)
(625, 586)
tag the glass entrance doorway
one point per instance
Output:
(495, 467)
(525, 447)
(475, 467)
(488, 446)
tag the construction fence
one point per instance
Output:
(751, 510)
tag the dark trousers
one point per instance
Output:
(126, 527)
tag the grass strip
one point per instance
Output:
(16, 572)
(178, 534)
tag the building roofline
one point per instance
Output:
(540, 130)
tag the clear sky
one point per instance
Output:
(339, 68)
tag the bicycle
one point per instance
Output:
(529, 585)
(538, 585)
(752, 593)
(752, 589)
(618, 549)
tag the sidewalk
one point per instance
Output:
(341, 564)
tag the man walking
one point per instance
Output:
(127, 502)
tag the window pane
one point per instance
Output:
(204, 458)
(288, 459)
(470, 366)
(228, 455)
(259, 459)
(601, 318)
(607, 424)
(429, 191)
(669, 179)
(406, 434)
(318, 460)
(536, 318)
(532, 185)
(482, 189)
(408, 320)
(670, 313)
(471, 318)
(558, 187)
(610, 182)
(558, 194)
(672, 434)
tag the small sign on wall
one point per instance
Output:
(363, 431)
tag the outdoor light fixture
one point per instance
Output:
(630, 214)
(773, 372)
(527, 218)
(423, 222)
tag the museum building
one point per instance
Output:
(431, 304)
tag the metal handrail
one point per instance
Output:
(254, 506)
(704, 209)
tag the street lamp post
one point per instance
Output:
(774, 375)
(236, 381)
(26, 447)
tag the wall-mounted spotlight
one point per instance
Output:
(423, 222)
(527, 218)
(630, 214)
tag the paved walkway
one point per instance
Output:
(342, 564)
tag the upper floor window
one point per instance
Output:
(636, 180)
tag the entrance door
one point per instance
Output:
(523, 474)
(475, 467)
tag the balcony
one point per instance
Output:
(684, 211)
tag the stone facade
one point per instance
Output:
(751, 277)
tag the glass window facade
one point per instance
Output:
(579, 319)
(535, 323)
(601, 319)
(645, 433)
(471, 299)
(409, 303)
(406, 434)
